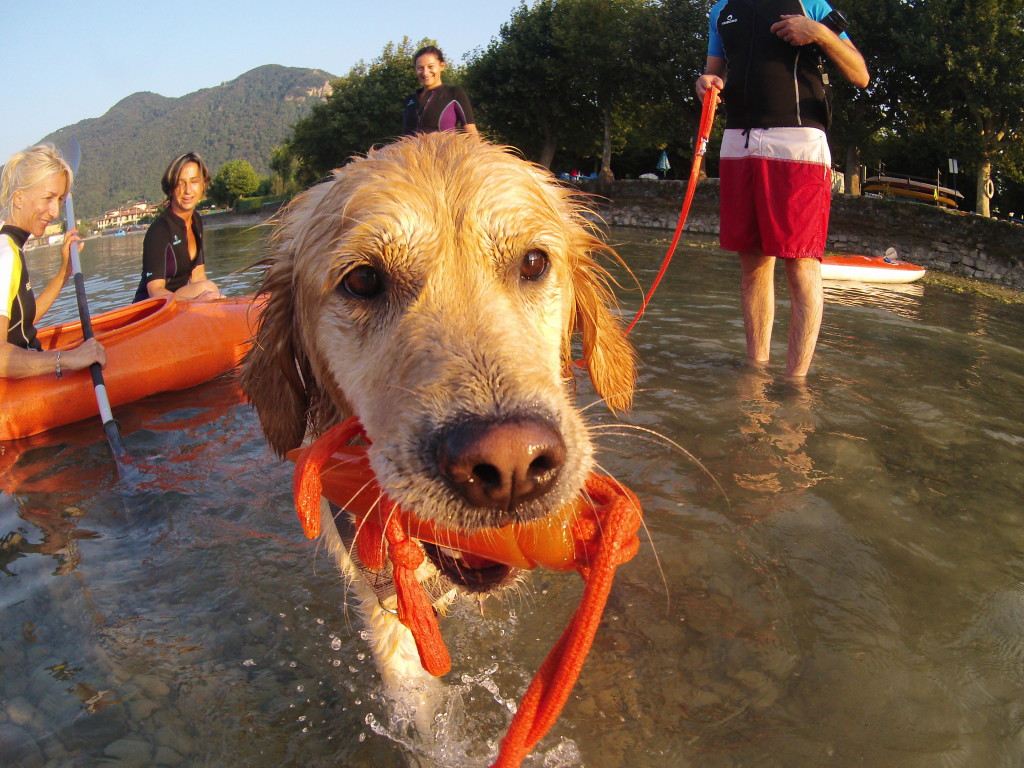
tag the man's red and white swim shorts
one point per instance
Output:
(776, 191)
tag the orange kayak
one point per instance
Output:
(153, 346)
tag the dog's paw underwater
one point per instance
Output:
(432, 291)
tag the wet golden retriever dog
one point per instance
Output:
(434, 288)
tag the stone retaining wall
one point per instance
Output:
(964, 245)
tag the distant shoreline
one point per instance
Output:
(251, 219)
(640, 211)
(971, 248)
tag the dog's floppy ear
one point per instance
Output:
(275, 370)
(609, 357)
(278, 375)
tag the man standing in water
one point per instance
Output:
(776, 185)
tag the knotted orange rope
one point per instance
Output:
(606, 540)
(414, 608)
(306, 485)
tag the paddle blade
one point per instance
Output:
(73, 157)
(73, 154)
(114, 438)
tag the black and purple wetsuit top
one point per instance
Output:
(165, 252)
(444, 108)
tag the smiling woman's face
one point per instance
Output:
(189, 190)
(35, 207)
(429, 69)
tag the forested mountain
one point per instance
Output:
(125, 152)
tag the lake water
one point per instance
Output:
(836, 578)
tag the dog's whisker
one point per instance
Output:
(655, 437)
(604, 400)
(588, 406)
(650, 539)
(361, 520)
(522, 592)
(651, 436)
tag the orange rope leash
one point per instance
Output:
(614, 543)
(707, 119)
(607, 540)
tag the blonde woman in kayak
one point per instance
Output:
(33, 185)
(173, 262)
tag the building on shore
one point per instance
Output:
(128, 216)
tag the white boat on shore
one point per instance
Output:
(870, 269)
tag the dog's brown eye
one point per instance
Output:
(535, 264)
(362, 282)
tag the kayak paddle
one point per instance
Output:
(73, 155)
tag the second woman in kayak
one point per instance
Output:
(173, 262)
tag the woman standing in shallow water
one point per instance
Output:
(435, 106)
(173, 262)
(33, 185)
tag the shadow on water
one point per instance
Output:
(835, 578)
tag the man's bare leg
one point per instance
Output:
(757, 295)
(806, 303)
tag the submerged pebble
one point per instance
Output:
(19, 747)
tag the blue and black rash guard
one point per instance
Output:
(165, 253)
(771, 84)
(17, 302)
(444, 108)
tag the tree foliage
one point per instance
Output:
(980, 78)
(235, 179)
(364, 109)
(586, 78)
(517, 85)
(947, 82)
(572, 82)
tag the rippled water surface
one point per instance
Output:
(836, 578)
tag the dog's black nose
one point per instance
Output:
(501, 464)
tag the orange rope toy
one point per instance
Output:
(602, 541)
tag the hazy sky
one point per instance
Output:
(67, 61)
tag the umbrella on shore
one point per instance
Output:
(663, 164)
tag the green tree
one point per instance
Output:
(283, 166)
(598, 41)
(518, 86)
(592, 77)
(235, 179)
(670, 44)
(979, 84)
(877, 28)
(935, 95)
(364, 109)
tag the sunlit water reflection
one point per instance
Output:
(835, 578)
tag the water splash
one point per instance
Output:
(455, 736)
